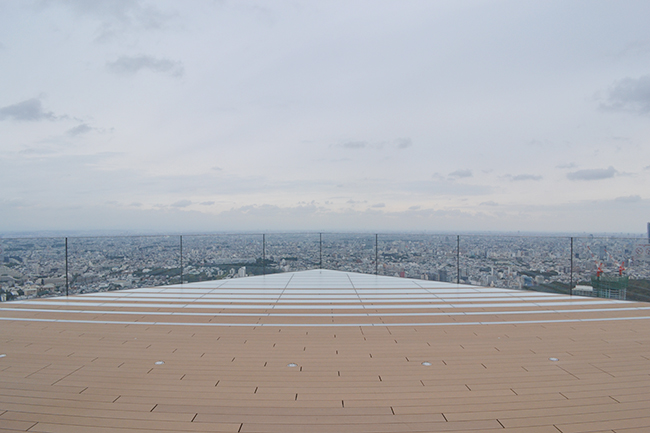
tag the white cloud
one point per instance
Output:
(630, 94)
(461, 173)
(79, 130)
(133, 64)
(592, 174)
(115, 18)
(30, 110)
(354, 144)
(403, 143)
(181, 203)
(524, 177)
(629, 199)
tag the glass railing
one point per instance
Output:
(515, 262)
(615, 267)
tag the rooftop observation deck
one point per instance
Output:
(324, 351)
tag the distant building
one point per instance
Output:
(582, 290)
(641, 252)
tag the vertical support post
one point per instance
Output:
(457, 259)
(263, 254)
(571, 261)
(320, 243)
(67, 283)
(376, 254)
(181, 236)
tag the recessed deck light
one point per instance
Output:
(3, 355)
(159, 362)
(427, 363)
(291, 364)
(553, 359)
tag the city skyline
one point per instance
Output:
(338, 116)
(37, 266)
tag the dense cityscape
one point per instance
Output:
(36, 267)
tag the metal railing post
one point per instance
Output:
(457, 259)
(376, 254)
(320, 245)
(571, 271)
(67, 283)
(263, 254)
(181, 236)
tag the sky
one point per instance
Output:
(382, 115)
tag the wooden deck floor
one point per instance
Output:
(324, 351)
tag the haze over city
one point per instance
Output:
(290, 115)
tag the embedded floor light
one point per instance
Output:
(291, 364)
(553, 359)
(427, 363)
(159, 362)
(3, 355)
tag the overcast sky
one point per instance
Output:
(325, 115)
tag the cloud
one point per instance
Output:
(130, 65)
(415, 207)
(489, 203)
(400, 143)
(461, 173)
(403, 143)
(592, 174)
(181, 203)
(635, 48)
(78, 130)
(441, 188)
(379, 205)
(116, 17)
(629, 199)
(355, 144)
(521, 177)
(30, 110)
(313, 217)
(630, 94)
(437, 176)
(567, 165)
(207, 203)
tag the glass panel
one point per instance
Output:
(289, 252)
(115, 263)
(612, 267)
(31, 267)
(422, 256)
(210, 257)
(350, 252)
(602, 266)
(516, 262)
